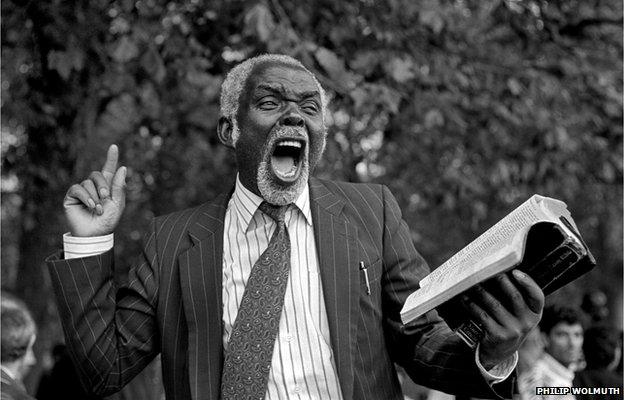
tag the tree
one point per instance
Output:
(464, 108)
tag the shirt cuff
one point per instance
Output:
(500, 371)
(77, 247)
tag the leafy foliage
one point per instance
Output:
(464, 108)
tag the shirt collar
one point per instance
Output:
(246, 203)
(557, 367)
(7, 371)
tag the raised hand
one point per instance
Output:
(94, 206)
(508, 308)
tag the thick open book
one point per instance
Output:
(539, 237)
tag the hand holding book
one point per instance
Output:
(506, 308)
(538, 238)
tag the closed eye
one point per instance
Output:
(267, 104)
(310, 107)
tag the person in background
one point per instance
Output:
(618, 369)
(530, 351)
(602, 354)
(594, 304)
(562, 334)
(17, 338)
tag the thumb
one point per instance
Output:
(118, 185)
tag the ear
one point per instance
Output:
(224, 131)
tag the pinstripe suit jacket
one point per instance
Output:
(171, 303)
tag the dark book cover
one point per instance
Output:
(552, 258)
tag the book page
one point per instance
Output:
(467, 260)
(430, 296)
(554, 209)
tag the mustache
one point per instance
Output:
(291, 132)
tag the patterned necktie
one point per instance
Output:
(250, 348)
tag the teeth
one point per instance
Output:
(292, 143)
(291, 173)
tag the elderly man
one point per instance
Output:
(260, 293)
(17, 357)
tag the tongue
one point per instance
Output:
(283, 165)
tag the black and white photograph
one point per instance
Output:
(311, 200)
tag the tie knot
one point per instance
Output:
(275, 212)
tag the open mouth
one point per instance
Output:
(287, 158)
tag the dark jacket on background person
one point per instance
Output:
(598, 378)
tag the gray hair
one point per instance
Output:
(18, 328)
(232, 86)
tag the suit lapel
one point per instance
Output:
(200, 280)
(336, 247)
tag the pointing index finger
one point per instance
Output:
(110, 166)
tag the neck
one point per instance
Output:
(249, 184)
(563, 364)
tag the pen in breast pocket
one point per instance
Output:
(365, 270)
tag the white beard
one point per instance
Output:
(272, 191)
(276, 194)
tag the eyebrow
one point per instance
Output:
(280, 90)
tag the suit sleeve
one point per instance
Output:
(111, 330)
(427, 349)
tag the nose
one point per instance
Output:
(292, 119)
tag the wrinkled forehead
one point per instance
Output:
(280, 77)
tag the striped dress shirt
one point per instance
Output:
(302, 366)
